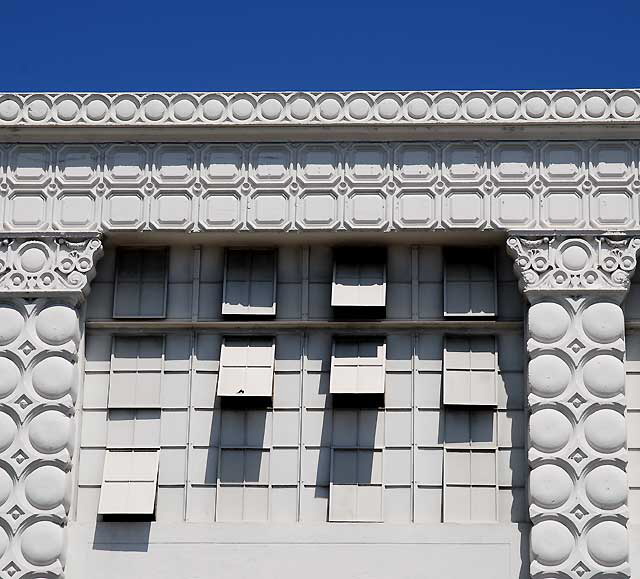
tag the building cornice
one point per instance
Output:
(490, 110)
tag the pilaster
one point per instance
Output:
(43, 281)
(577, 436)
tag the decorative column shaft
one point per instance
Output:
(577, 435)
(42, 282)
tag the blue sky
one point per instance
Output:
(188, 45)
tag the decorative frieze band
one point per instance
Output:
(576, 394)
(418, 107)
(321, 187)
(42, 281)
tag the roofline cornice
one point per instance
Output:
(445, 114)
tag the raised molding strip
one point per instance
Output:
(315, 187)
(43, 281)
(406, 108)
(576, 393)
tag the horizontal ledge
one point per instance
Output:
(276, 325)
(266, 326)
(461, 131)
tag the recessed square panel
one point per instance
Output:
(124, 210)
(415, 208)
(75, 210)
(415, 163)
(77, 164)
(222, 164)
(171, 210)
(563, 208)
(318, 163)
(513, 162)
(562, 162)
(29, 164)
(126, 164)
(174, 164)
(27, 210)
(269, 209)
(462, 162)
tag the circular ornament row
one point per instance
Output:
(319, 107)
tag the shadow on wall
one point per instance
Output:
(114, 536)
(243, 452)
(516, 396)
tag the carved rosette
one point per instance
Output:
(40, 334)
(577, 435)
(48, 266)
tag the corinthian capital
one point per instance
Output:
(45, 266)
(574, 264)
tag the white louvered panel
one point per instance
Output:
(129, 483)
(358, 366)
(246, 367)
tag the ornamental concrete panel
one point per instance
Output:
(465, 186)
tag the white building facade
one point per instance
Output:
(352, 334)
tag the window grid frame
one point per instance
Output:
(470, 370)
(160, 371)
(376, 447)
(446, 265)
(252, 251)
(134, 419)
(245, 447)
(334, 283)
(140, 251)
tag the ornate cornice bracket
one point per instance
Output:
(573, 264)
(48, 266)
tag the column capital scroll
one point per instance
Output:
(48, 266)
(573, 263)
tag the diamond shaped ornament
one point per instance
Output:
(578, 456)
(580, 569)
(26, 347)
(11, 569)
(579, 512)
(576, 345)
